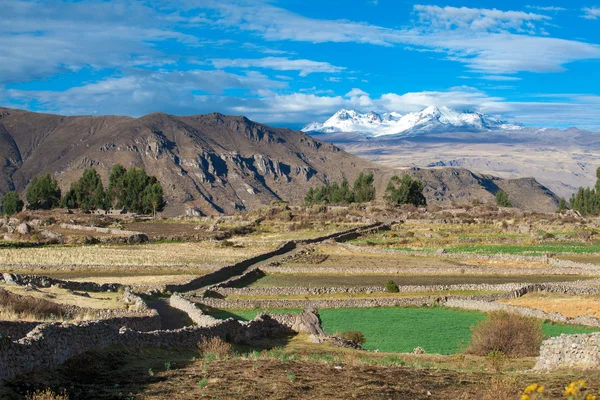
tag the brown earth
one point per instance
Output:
(216, 163)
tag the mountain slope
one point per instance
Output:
(431, 119)
(212, 163)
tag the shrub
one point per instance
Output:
(215, 346)
(354, 336)
(512, 334)
(391, 287)
(46, 395)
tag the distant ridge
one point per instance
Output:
(215, 163)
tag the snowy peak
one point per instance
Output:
(430, 120)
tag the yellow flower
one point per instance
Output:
(525, 397)
(571, 390)
(590, 397)
(531, 388)
(540, 389)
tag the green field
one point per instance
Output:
(390, 329)
(514, 249)
(290, 280)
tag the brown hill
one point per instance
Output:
(213, 163)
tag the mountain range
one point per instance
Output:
(562, 160)
(214, 163)
(431, 119)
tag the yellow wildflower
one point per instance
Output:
(531, 388)
(525, 397)
(590, 397)
(540, 389)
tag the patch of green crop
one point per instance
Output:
(535, 250)
(438, 330)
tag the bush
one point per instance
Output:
(353, 336)
(391, 287)
(511, 334)
(214, 346)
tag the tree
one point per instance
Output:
(43, 193)
(502, 199)
(562, 205)
(153, 198)
(405, 190)
(135, 181)
(364, 190)
(11, 203)
(88, 192)
(115, 186)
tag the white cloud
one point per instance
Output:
(46, 39)
(591, 12)
(547, 8)
(356, 92)
(489, 41)
(305, 67)
(476, 19)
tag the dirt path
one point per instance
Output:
(170, 318)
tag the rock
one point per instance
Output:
(24, 228)
(9, 279)
(309, 321)
(213, 228)
(419, 350)
(315, 339)
(50, 235)
(193, 212)
(138, 238)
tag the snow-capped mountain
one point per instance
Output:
(431, 120)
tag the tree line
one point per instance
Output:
(405, 190)
(132, 190)
(587, 200)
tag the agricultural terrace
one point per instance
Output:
(481, 254)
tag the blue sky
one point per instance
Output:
(289, 62)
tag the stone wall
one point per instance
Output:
(318, 303)
(49, 345)
(16, 329)
(570, 351)
(45, 281)
(195, 313)
(96, 229)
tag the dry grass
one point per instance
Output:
(138, 280)
(570, 306)
(156, 254)
(100, 300)
(282, 232)
(46, 395)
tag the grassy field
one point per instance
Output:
(390, 329)
(155, 254)
(99, 300)
(285, 280)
